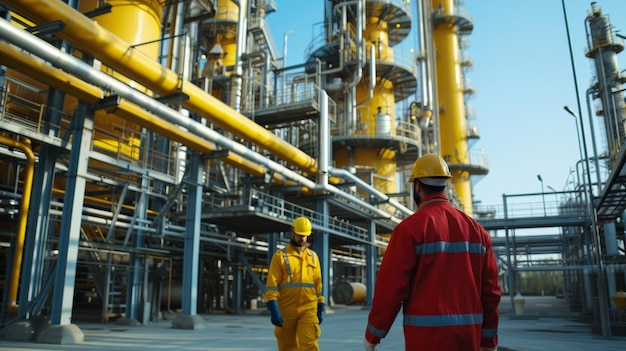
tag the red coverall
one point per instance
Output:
(298, 289)
(440, 268)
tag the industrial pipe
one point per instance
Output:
(372, 191)
(18, 252)
(71, 64)
(92, 38)
(21, 62)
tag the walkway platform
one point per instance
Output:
(545, 325)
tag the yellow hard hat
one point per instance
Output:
(431, 169)
(302, 226)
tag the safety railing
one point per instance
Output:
(403, 129)
(286, 211)
(535, 205)
(23, 113)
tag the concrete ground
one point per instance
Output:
(545, 325)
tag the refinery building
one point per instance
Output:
(153, 155)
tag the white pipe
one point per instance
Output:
(372, 77)
(421, 30)
(360, 46)
(82, 70)
(242, 32)
(344, 173)
(324, 159)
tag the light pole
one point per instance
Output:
(602, 290)
(580, 148)
(543, 197)
(556, 199)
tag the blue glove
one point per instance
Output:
(277, 319)
(320, 310)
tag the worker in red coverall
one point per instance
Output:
(294, 292)
(441, 269)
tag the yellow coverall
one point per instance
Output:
(295, 281)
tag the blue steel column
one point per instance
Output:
(322, 246)
(237, 289)
(69, 238)
(321, 238)
(135, 281)
(370, 264)
(272, 239)
(39, 213)
(192, 236)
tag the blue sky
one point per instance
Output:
(523, 78)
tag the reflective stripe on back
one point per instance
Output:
(447, 247)
(443, 320)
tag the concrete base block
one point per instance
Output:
(20, 331)
(127, 321)
(169, 315)
(68, 334)
(189, 322)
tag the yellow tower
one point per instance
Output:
(365, 77)
(449, 23)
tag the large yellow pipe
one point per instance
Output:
(18, 252)
(117, 54)
(452, 125)
(88, 93)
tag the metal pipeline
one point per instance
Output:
(92, 38)
(338, 172)
(588, 97)
(71, 64)
(19, 61)
(18, 252)
(236, 78)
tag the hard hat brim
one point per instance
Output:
(434, 181)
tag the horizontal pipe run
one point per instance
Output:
(92, 38)
(71, 64)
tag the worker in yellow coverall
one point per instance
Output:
(294, 292)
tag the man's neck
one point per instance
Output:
(300, 249)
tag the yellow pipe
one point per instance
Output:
(453, 128)
(71, 85)
(136, 114)
(19, 61)
(18, 251)
(86, 34)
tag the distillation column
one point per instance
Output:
(449, 24)
(368, 80)
(602, 48)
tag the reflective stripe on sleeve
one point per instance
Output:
(443, 246)
(443, 320)
(287, 266)
(376, 332)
